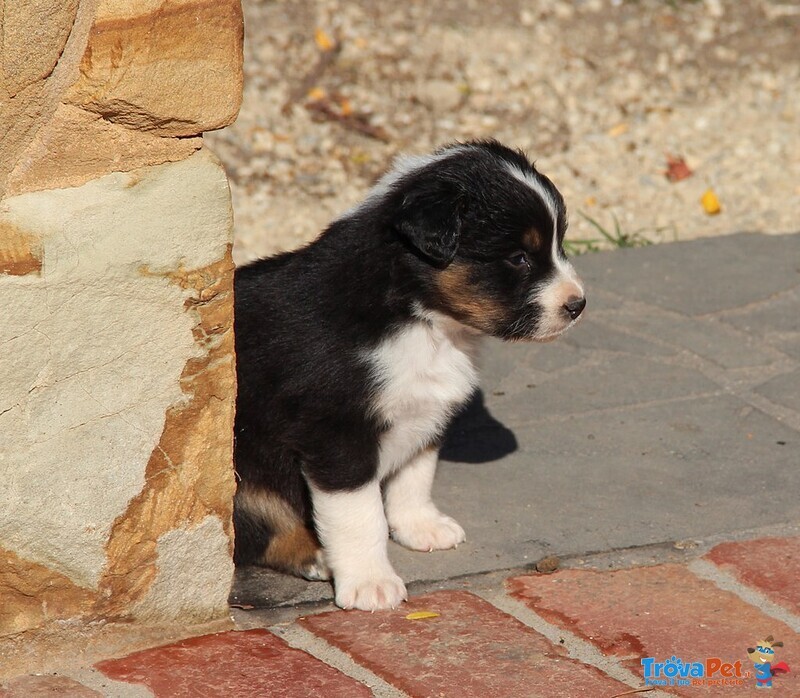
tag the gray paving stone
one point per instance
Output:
(701, 276)
(593, 336)
(778, 314)
(775, 321)
(788, 343)
(691, 469)
(706, 337)
(603, 440)
(785, 390)
(617, 382)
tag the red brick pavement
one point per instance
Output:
(771, 565)
(471, 648)
(242, 664)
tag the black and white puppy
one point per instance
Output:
(354, 352)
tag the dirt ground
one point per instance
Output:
(600, 93)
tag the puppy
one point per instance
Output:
(354, 353)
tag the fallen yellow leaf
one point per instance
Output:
(419, 615)
(316, 94)
(618, 130)
(324, 42)
(710, 203)
(345, 106)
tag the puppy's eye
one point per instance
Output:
(519, 259)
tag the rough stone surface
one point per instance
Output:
(770, 565)
(658, 612)
(248, 664)
(190, 575)
(77, 145)
(20, 251)
(170, 68)
(31, 594)
(34, 36)
(471, 649)
(117, 377)
(43, 686)
(116, 350)
(41, 49)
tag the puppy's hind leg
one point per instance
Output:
(414, 520)
(269, 532)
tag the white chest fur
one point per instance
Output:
(426, 371)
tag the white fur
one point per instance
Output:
(353, 531)
(414, 520)
(425, 371)
(542, 191)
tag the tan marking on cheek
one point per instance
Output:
(466, 302)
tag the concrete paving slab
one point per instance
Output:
(625, 432)
(701, 276)
(785, 390)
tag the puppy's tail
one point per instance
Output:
(270, 532)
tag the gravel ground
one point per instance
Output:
(598, 92)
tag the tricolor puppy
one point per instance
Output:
(355, 352)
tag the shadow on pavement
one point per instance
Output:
(475, 436)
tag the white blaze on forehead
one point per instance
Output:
(564, 269)
(544, 194)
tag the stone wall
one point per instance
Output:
(116, 348)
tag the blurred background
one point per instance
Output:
(658, 120)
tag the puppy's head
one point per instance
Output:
(491, 229)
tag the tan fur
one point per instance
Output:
(292, 547)
(292, 551)
(465, 302)
(534, 239)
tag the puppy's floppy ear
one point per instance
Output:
(429, 218)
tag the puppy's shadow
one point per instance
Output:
(475, 436)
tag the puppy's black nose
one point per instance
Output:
(574, 306)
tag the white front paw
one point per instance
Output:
(427, 531)
(382, 592)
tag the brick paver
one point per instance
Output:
(770, 565)
(470, 649)
(242, 664)
(655, 612)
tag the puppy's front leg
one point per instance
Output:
(414, 520)
(352, 528)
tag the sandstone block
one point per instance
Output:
(172, 67)
(34, 36)
(76, 145)
(40, 52)
(116, 396)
